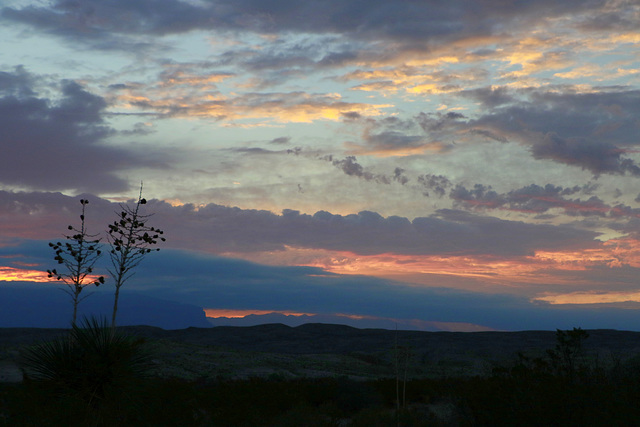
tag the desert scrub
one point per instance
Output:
(92, 372)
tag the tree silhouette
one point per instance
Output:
(131, 240)
(568, 356)
(78, 255)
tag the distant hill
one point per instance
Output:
(33, 307)
(325, 338)
(356, 322)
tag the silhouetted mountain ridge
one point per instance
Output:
(356, 322)
(312, 338)
(51, 308)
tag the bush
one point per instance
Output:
(92, 372)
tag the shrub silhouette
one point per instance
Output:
(568, 356)
(93, 368)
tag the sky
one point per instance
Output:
(468, 161)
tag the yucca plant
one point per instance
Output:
(131, 239)
(77, 258)
(95, 366)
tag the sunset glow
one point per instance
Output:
(9, 274)
(350, 157)
(602, 297)
(538, 268)
(217, 312)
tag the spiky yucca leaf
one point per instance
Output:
(91, 363)
(53, 360)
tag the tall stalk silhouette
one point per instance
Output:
(131, 239)
(78, 256)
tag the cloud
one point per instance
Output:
(285, 58)
(255, 151)
(221, 229)
(434, 122)
(593, 131)
(417, 21)
(49, 143)
(394, 142)
(478, 196)
(278, 107)
(389, 136)
(18, 84)
(350, 166)
(281, 140)
(100, 24)
(215, 282)
(194, 76)
(624, 17)
(538, 199)
(393, 48)
(58, 141)
(297, 39)
(399, 176)
(436, 183)
(218, 282)
(596, 156)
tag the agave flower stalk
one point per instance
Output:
(77, 256)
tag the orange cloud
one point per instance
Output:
(294, 107)
(178, 77)
(382, 152)
(539, 268)
(593, 297)
(10, 274)
(416, 78)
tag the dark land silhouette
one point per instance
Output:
(320, 374)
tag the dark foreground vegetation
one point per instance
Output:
(104, 383)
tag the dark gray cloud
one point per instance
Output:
(491, 97)
(18, 84)
(57, 143)
(596, 156)
(434, 122)
(97, 19)
(392, 140)
(436, 183)
(478, 196)
(625, 16)
(370, 20)
(350, 116)
(254, 150)
(350, 166)
(281, 60)
(281, 140)
(221, 229)
(399, 176)
(389, 134)
(588, 130)
(535, 199)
